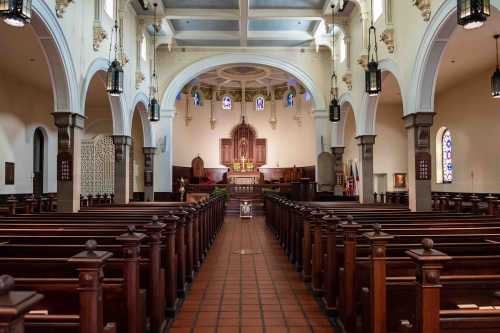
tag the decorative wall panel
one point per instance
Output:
(98, 165)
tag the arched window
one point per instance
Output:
(227, 103)
(378, 9)
(197, 99)
(144, 48)
(109, 8)
(260, 103)
(343, 50)
(444, 156)
(290, 98)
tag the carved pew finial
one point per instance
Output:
(91, 246)
(6, 284)
(428, 244)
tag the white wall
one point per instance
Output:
(473, 118)
(23, 109)
(289, 144)
(390, 149)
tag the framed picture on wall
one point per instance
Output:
(400, 180)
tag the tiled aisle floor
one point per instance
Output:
(249, 293)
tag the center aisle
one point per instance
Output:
(249, 293)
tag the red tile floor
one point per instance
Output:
(249, 293)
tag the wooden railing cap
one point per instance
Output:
(155, 225)
(14, 303)
(427, 253)
(377, 234)
(91, 257)
(131, 236)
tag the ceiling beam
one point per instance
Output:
(244, 9)
(202, 14)
(280, 35)
(208, 35)
(280, 14)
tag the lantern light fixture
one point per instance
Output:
(373, 74)
(495, 78)
(471, 14)
(16, 13)
(114, 85)
(334, 113)
(154, 106)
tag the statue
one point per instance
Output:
(182, 188)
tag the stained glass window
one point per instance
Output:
(227, 103)
(290, 100)
(447, 147)
(196, 98)
(260, 103)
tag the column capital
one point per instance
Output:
(419, 119)
(168, 113)
(68, 119)
(122, 140)
(368, 139)
(320, 114)
(149, 150)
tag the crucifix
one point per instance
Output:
(243, 160)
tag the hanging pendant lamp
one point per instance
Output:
(114, 84)
(495, 78)
(334, 103)
(15, 13)
(373, 75)
(472, 14)
(154, 106)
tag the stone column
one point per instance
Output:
(365, 170)
(338, 172)
(122, 168)
(69, 127)
(418, 126)
(149, 155)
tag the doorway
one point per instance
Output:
(38, 162)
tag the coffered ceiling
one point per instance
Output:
(243, 23)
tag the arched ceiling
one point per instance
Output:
(468, 53)
(22, 57)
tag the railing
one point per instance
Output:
(255, 189)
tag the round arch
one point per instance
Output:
(199, 67)
(338, 129)
(433, 43)
(99, 67)
(140, 104)
(369, 103)
(58, 56)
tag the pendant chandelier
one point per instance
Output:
(114, 84)
(495, 79)
(373, 75)
(472, 14)
(334, 104)
(15, 13)
(154, 106)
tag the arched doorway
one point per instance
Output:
(38, 162)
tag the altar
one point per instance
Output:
(243, 178)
